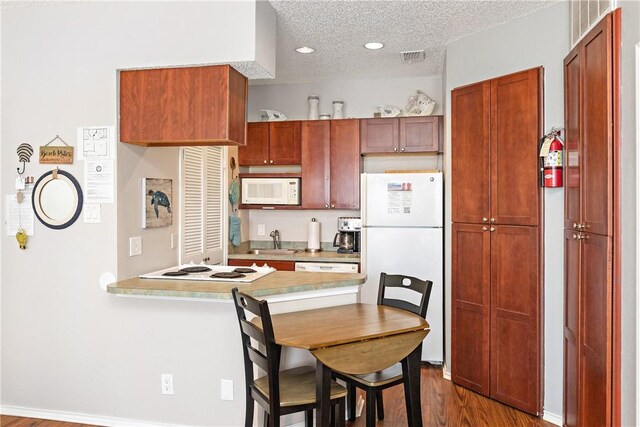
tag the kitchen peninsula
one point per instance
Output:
(279, 283)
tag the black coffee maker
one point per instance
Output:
(347, 240)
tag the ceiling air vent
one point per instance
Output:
(411, 56)
(584, 14)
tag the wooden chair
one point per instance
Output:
(278, 392)
(375, 382)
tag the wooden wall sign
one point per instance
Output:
(56, 154)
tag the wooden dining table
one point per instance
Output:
(357, 339)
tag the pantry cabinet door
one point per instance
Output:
(470, 174)
(470, 294)
(516, 129)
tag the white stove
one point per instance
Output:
(212, 273)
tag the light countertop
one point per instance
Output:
(276, 283)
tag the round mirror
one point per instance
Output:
(57, 202)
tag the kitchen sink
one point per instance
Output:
(272, 251)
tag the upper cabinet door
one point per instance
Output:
(183, 106)
(316, 141)
(284, 143)
(379, 135)
(516, 129)
(256, 152)
(470, 124)
(597, 135)
(572, 140)
(345, 164)
(420, 134)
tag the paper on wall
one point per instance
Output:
(98, 181)
(96, 142)
(18, 215)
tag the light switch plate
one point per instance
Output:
(135, 246)
(226, 389)
(261, 231)
(91, 213)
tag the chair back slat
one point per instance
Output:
(258, 358)
(253, 331)
(422, 287)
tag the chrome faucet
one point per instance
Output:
(275, 234)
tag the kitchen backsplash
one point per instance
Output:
(292, 224)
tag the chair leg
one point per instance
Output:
(340, 407)
(266, 419)
(351, 401)
(379, 405)
(248, 414)
(308, 418)
(371, 408)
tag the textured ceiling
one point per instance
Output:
(338, 29)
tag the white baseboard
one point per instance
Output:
(76, 418)
(552, 418)
(446, 373)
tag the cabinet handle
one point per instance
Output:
(402, 149)
(484, 220)
(493, 220)
(333, 206)
(395, 148)
(270, 161)
(575, 236)
(484, 228)
(578, 226)
(492, 229)
(265, 161)
(326, 206)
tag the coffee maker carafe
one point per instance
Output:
(347, 240)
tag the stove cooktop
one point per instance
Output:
(211, 273)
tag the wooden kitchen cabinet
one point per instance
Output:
(497, 239)
(277, 264)
(330, 164)
(591, 327)
(421, 134)
(271, 143)
(183, 106)
(496, 127)
(496, 317)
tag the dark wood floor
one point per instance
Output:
(443, 404)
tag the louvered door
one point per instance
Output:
(202, 208)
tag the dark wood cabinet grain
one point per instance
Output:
(271, 143)
(470, 314)
(470, 142)
(183, 106)
(516, 332)
(330, 164)
(590, 370)
(316, 168)
(497, 257)
(277, 264)
(516, 129)
(401, 135)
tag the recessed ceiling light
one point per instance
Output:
(305, 49)
(374, 45)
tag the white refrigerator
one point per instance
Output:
(402, 218)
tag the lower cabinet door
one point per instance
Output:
(516, 335)
(278, 265)
(470, 294)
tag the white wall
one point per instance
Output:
(66, 344)
(360, 96)
(538, 39)
(628, 198)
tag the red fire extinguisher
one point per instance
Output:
(551, 152)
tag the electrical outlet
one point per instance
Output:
(226, 389)
(261, 231)
(135, 246)
(167, 383)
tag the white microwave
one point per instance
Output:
(270, 191)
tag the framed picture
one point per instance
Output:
(157, 205)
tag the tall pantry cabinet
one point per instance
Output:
(496, 239)
(590, 79)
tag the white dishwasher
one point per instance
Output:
(327, 267)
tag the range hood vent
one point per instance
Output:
(411, 56)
